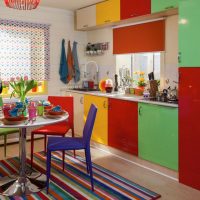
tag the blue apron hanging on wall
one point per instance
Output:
(63, 71)
(76, 63)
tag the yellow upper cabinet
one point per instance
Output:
(108, 11)
(86, 17)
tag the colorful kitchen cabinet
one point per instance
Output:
(134, 8)
(86, 17)
(189, 32)
(107, 11)
(189, 127)
(158, 134)
(100, 131)
(162, 5)
(78, 112)
(123, 125)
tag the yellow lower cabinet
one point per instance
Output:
(100, 131)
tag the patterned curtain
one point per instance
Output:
(24, 50)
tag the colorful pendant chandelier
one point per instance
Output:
(22, 4)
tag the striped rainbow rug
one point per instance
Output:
(74, 183)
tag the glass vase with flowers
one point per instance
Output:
(140, 82)
(21, 86)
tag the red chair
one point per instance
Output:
(59, 129)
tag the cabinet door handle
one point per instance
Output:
(140, 110)
(169, 7)
(85, 26)
(105, 105)
(179, 57)
(81, 100)
(106, 21)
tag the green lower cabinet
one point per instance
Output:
(158, 134)
(189, 33)
(162, 5)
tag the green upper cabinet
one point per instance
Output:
(189, 33)
(161, 5)
(158, 134)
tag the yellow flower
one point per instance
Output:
(141, 79)
(134, 72)
(142, 73)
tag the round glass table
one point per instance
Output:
(27, 181)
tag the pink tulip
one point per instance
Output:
(18, 78)
(26, 78)
(12, 79)
(6, 83)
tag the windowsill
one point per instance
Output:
(34, 97)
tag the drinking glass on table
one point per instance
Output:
(6, 109)
(32, 112)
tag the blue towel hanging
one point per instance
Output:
(63, 71)
(76, 63)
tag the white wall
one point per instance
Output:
(107, 61)
(170, 71)
(62, 26)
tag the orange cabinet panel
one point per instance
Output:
(148, 37)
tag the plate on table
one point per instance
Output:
(14, 120)
(54, 115)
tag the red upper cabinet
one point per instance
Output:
(134, 8)
(123, 125)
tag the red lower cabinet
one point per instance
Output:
(189, 127)
(123, 125)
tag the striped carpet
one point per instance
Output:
(74, 183)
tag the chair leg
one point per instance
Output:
(48, 172)
(63, 159)
(86, 163)
(32, 146)
(45, 143)
(89, 162)
(73, 136)
(5, 144)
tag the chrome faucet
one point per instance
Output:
(97, 70)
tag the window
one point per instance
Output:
(127, 64)
(24, 50)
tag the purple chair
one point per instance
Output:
(61, 144)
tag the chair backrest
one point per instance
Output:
(89, 124)
(67, 104)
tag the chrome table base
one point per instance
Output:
(27, 182)
(19, 186)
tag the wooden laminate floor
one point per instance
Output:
(130, 167)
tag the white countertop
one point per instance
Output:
(123, 96)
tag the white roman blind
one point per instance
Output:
(24, 50)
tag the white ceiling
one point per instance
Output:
(68, 4)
